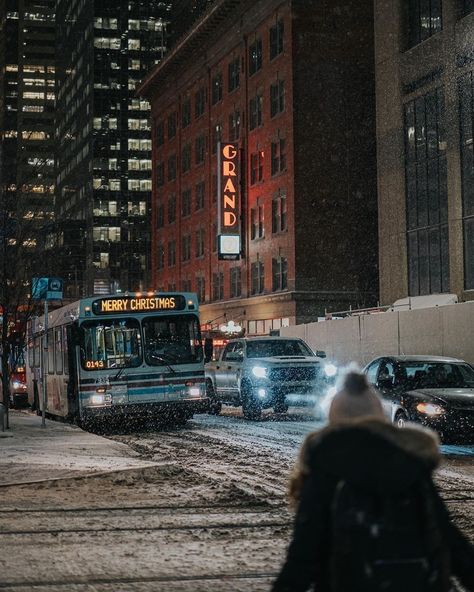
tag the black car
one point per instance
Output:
(435, 391)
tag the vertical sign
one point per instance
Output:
(228, 243)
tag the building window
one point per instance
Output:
(201, 288)
(279, 274)
(199, 102)
(200, 149)
(257, 277)
(256, 167)
(172, 209)
(218, 285)
(216, 136)
(160, 173)
(160, 133)
(186, 203)
(466, 101)
(234, 126)
(234, 74)
(172, 253)
(186, 113)
(186, 158)
(200, 192)
(172, 125)
(276, 39)
(257, 222)
(200, 242)
(278, 156)
(217, 88)
(186, 247)
(256, 111)
(186, 285)
(279, 218)
(424, 20)
(426, 194)
(160, 215)
(235, 282)
(255, 56)
(277, 97)
(172, 167)
(160, 257)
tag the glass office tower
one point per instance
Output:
(103, 140)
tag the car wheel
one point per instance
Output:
(401, 419)
(280, 407)
(215, 406)
(251, 407)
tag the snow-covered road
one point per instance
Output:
(211, 515)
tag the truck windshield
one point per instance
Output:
(174, 339)
(272, 347)
(111, 343)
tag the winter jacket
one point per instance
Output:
(369, 453)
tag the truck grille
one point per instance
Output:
(293, 374)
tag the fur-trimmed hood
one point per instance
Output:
(369, 452)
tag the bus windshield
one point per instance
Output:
(111, 343)
(173, 339)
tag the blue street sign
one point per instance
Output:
(47, 289)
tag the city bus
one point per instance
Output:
(119, 356)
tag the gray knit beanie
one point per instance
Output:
(355, 399)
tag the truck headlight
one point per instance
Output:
(259, 372)
(430, 409)
(330, 370)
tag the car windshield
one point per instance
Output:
(173, 339)
(277, 347)
(436, 375)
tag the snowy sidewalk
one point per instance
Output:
(31, 453)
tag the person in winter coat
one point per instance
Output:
(361, 447)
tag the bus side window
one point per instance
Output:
(50, 351)
(65, 351)
(58, 349)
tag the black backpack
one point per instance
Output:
(387, 543)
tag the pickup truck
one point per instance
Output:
(263, 372)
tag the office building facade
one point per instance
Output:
(425, 119)
(103, 141)
(27, 98)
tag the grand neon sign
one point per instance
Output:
(229, 202)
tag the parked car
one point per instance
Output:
(263, 372)
(435, 391)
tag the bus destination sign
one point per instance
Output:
(129, 304)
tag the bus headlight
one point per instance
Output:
(98, 399)
(259, 372)
(194, 391)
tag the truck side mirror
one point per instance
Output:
(208, 349)
(321, 354)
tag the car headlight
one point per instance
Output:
(259, 372)
(16, 384)
(430, 409)
(330, 370)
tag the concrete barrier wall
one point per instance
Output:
(443, 330)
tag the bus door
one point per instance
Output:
(110, 350)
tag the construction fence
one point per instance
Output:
(441, 330)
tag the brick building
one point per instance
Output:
(292, 84)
